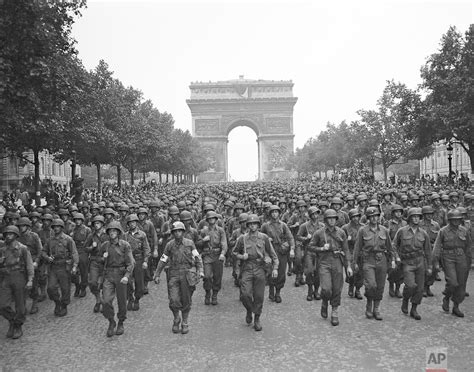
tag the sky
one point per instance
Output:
(339, 54)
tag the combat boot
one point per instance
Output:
(309, 297)
(397, 291)
(10, 330)
(214, 298)
(42, 295)
(413, 313)
(145, 288)
(176, 322)
(136, 305)
(302, 280)
(350, 292)
(185, 327)
(249, 317)
(357, 294)
(256, 323)
(17, 332)
(82, 292)
(334, 316)
(277, 296)
(445, 305)
(96, 307)
(428, 291)
(271, 293)
(324, 309)
(130, 305)
(207, 298)
(77, 291)
(297, 280)
(391, 289)
(63, 310)
(111, 329)
(317, 296)
(369, 312)
(34, 307)
(57, 308)
(404, 306)
(457, 312)
(120, 330)
(376, 313)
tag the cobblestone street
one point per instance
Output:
(294, 336)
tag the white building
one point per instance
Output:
(437, 163)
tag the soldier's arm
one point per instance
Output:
(302, 234)
(357, 246)
(129, 260)
(154, 238)
(197, 260)
(73, 251)
(469, 245)
(271, 252)
(289, 235)
(146, 248)
(390, 248)
(39, 247)
(238, 249)
(29, 263)
(427, 251)
(163, 260)
(223, 239)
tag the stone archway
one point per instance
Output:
(264, 106)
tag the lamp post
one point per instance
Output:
(449, 149)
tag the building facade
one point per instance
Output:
(437, 163)
(16, 173)
(265, 106)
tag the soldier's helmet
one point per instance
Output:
(434, 196)
(178, 225)
(124, 207)
(47, 216)
(211, 214)
(300, 203)
(336, 200)
(427, 209)
(274, 208)
(354, 212)
(98, 218)
(11, 229)
(173, 210)
(372, 211)
(185, 216)
(253, 218)
(313, 210)
(414, 212)
(131, 217)
(396, 207)
(114, 225)
(243, 217)
(330, 213)
(24, 221)
(454, 214)
(461, 210)
(142, 210)
(239, 206)
(108, 211)
(154, 204)
(78, 216)
(374, 203)
(209, 207)
(57, 222)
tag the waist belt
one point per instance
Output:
(410, 255)
(61, 261)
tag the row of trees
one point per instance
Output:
(406, 122)
(49, 101)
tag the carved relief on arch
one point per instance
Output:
(206, 126)
(255, 121)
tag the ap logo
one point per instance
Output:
(437, 359)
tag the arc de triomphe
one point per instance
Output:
(266, 106)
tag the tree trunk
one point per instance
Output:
(384, 167)
(132, 174)
(144, 177)
(167, 177)
(159, 175)
(471, 156)
(73, 167)
(119, 176)
(99, 178)
(36, 180)
(372, 165)
(172, 177)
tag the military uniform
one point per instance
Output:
(357, 280)
(16, 268)
(432, 229)
(395, 276)
(96, 267)
(80, 234)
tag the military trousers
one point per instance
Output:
(374, 270)
(213, 269)
(179, 291)
(311, 269)
(59, 283)
(12, 289)
(136, 284)
(455, 272)
(111, 288)
(252, 287)
(96, 276)
(331, 277)
(279, 281)
(414, 279)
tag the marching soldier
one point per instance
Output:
(414, 248)
(61, 253)
(80, 234)
(232, 241)
(32, 241)
(432, 229)
(255, 252)
(284, 245)
(185, 267)
(374, 245)
(118, 268)
(351, 229)
(305, 233)
(453, 247)
(395, 276)
(331, 246)
(294, 223)
(16, 274)
(213, 257)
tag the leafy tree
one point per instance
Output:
(448, 78)
(38, 70)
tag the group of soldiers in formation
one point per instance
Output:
(264, 231)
